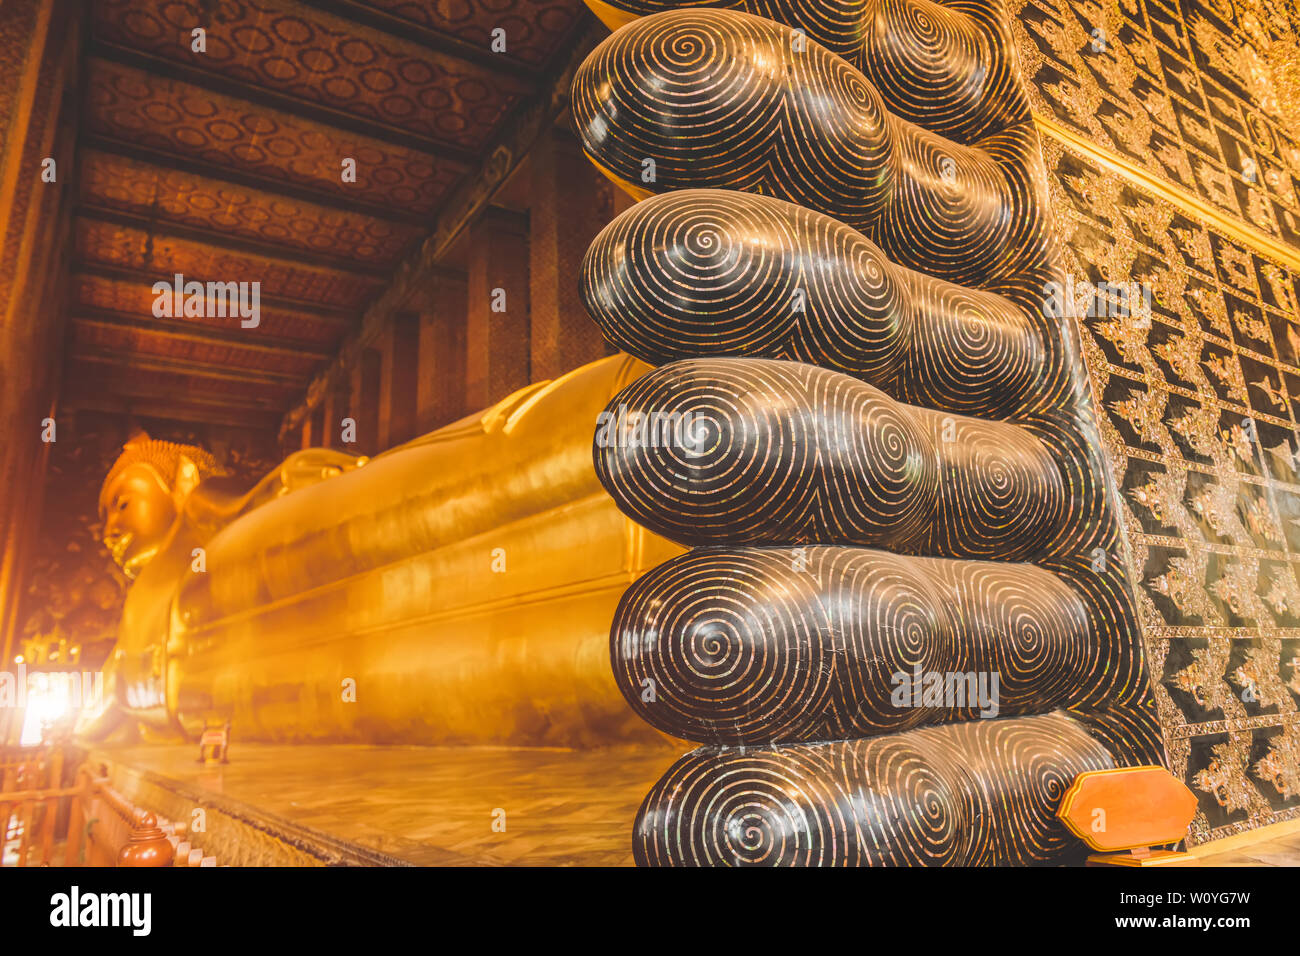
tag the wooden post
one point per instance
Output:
(148, 846)
(77, 820)
(400, 380)
(50, 806)
(25, 845)
(6, 810)
(441, 387)
(366, 382)
(497, 322)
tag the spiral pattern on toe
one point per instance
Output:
(758, 645)
(921, 798)
(713, 272)
(942, 68)
(721, 99)
(1022, 623)
(711, 98)
(1000, 493)
(775, 645)
(753, 451)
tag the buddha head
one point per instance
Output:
(142, 497)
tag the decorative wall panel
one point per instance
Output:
(1204, 94)
(1197, 396)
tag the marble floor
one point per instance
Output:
(437, 806)
(1272, 846)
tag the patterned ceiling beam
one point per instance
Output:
(435, 40)
(340, 318)
(134, 360)
(260, 419)
(98, 383)
(249, 247)
(225, 174)
(185, 331)
(512, 142)
(340, 119)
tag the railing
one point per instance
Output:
(86, 824)
(31, 800)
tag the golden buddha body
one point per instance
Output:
(456, 589)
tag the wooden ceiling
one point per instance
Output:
(226, 166)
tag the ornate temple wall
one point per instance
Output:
(38, 61)
(1169, 137)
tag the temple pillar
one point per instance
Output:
(441, 372)
(497, 360)
(41, 41)
(572, 203)
(316, 423)
(399, 405)
(310, 437)
(367, 379)
(336, 406)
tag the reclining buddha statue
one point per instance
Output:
(456, 589)
(843, 522)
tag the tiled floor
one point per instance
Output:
(433, 805)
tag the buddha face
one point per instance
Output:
(138, 511)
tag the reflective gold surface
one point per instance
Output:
(430, 806)
(455, 590)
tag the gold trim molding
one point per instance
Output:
(1228, 225)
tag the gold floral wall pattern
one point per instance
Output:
(1205, 95)
(1196, 394)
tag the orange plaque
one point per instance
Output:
(1128, 808)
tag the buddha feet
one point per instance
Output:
(906, 625)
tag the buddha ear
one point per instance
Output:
(187, 479)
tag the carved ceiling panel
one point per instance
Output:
(532, 28)
(110, 378)
(127, 298)
(144, 189)
(296, 50)
(162, 256)
(303, 146)
(191, 123)
(95, 335)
